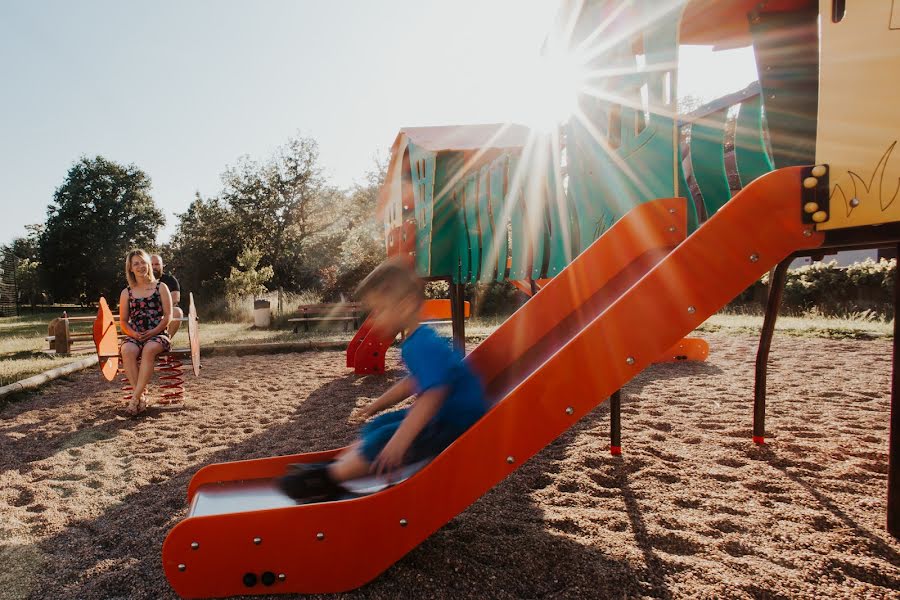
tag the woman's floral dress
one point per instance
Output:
(143, 315)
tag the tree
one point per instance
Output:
(281, 207)
(248, 281)
(28, 266)
(362, 239)
(97, 215)
(205, 245)
(29, 246)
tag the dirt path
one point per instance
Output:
(692, 510)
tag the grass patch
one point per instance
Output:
(22, 338)
(847, 328)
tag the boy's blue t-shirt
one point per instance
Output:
(433, 363)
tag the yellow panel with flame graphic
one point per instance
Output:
(859, 111)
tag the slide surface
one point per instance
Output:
(624, 302)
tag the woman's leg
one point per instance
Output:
(130, 353)
(148, 362)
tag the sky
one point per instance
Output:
(182, 89)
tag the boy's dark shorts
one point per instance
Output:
(430, 442)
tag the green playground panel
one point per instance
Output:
(449, 220)
(750, 150)
(488, 251)
(534, 207)
(473, 231)
(684, 191)
(561, 224)
(520, 242)
(708, 160)
(499, 214)
(624, 157)
(422, 167)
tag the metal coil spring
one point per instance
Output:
(172, 378)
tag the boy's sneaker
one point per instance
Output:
(309, 481)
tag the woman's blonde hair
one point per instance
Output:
(129, 276)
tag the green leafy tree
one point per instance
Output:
(28, 281)
(282, 207)
(101, 211)
(205, 245)
(29, 246)
(28, 266)
(249, 280)
(361, 238)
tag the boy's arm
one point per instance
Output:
(425, 407)
(398, 392)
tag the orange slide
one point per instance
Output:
(621, 304)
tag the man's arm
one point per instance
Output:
(176, 296)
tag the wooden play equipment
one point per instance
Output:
(69, 335)
(637, 260)
(366, 351)
(170, 364)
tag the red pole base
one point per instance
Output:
(758, 439)
(615, 450)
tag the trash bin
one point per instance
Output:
(262, 313)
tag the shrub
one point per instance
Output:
(828, 289)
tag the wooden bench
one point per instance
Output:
(350, 313)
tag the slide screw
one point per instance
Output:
(320, 536)
(257, 541)
(182, 567)
(629, 360)
(510, 459)
(569, 410)
(403, 522)
(691, 310)
(195, 545)
(754, 257)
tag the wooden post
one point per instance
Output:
(61, 343)
(458, 314)
(893, 496)
(615, 423)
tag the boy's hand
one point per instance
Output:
(362, 415)
(359, 416)
(390, 457)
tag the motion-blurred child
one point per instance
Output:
(449, 396)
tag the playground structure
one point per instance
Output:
(170, 365)
(366, 351)
(637, 260)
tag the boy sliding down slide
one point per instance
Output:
(449, 397)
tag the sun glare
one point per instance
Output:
(555, 82)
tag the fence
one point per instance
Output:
(8, 288)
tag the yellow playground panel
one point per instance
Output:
(859, 118)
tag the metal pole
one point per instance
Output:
(777, 279)
(458, 314)
(893, 496)
(615, 423)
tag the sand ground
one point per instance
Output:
(691, 510)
